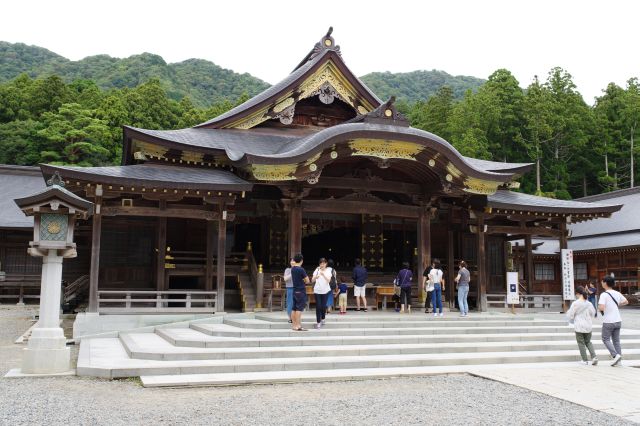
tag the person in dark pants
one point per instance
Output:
(593, 296)
(300, 279)
(427, 287)
(321, 289)
(404, 281)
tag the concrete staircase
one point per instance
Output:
(261, 348)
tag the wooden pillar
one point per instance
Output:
(295, 227)
(528, 263)
(160, 256)
(220, 268)
(208, 278)
(94, 272)
(482, 273)
(424, 242)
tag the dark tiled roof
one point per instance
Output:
(629, 239)
(16, 181)
(152, 175)
(627, 219)
(228, 140)
(517, 200)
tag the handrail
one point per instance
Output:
(72, 290)
(157, 302)
(257, 276)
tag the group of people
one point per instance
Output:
(582, 312)
(327, 285)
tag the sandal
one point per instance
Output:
(299, 329)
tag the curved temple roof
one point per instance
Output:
(152, 175)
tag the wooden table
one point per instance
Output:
(270, 293)
(382, 292)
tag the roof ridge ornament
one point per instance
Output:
(387, 113)
(56, 179)
(326, 43)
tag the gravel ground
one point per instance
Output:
(455, 399)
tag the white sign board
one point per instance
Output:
(513, 298)
(568, 291)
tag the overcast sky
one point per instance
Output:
(596, 41)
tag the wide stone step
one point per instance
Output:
(389, 316)
(232, 331)
(152, 346)
(332, 323)
(189, 337)
(269, 377)
(108, 358)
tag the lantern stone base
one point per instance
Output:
(47, 352)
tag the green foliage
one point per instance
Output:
(418, 85)
(202, 81)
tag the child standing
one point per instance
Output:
(342, 297)
(581, 313)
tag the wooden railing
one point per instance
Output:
(174, 301)
(528, 302)
(75, 289)
(13, 286)
(257, 277)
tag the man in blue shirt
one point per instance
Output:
(300, 279)
(359, 284)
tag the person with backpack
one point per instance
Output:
(581, 315)
(609, 304)
(403, 280)
(436, 278)
(333, 284)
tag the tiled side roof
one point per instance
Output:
(509, 200)
(153, 175)
(627, 219)
(16, 181)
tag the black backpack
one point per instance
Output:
(333, 283)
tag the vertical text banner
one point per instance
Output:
(513, 298)
(568, 291)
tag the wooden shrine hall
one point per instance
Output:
(316, 164)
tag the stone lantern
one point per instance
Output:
(55, 211)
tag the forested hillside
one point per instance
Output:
(202, 81)
(417, 85)
(578, 149)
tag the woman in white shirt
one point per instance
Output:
(321, 289)
(436, 278)
(581, 314)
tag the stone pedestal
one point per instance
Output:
(47, 351)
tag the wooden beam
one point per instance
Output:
(295, 227)
(424, 243)
(220, 270)
(538, 230)
(381, 185)
(162, 251)
(186, 213)
(481, 261)
(211, 233)
(451, 268)
(361, 207)
(94, 271)
(528, 259)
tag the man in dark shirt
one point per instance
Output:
(300, 279)
(359, 284)
(425, 287)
